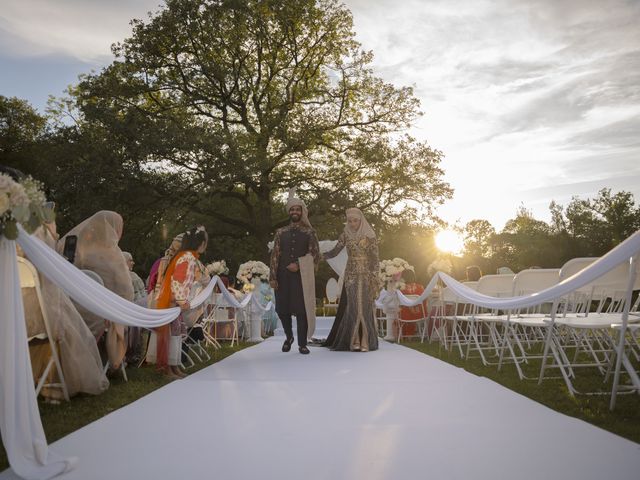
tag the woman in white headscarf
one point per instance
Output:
(354, 327)
(79, 356)
(97, 250)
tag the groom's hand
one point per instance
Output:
(293, 267)
(273, 284)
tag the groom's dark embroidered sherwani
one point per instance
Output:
(290, 244)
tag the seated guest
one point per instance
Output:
(97, 250)
(134, 343)
(472, 273)
(270, 317)
(411, 313)
(184, 275)
(78, 352)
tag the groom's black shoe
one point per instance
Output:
(304, 350)
(286, 346)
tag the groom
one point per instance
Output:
(293, 260)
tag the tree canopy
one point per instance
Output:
(241, 100)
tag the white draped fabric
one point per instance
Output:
(20, 425)
(621, 254)
(337, 263)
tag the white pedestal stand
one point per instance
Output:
(391, 308)
(255, 314)
(256, 325)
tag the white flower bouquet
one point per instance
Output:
(252, 269)
(23, 203)
(390, 272)
(217, 268)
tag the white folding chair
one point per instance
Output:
(29, 279)
(220, 312)
(332, 293)
(583, 339)
(483, 327)
(524, 329)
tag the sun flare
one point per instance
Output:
(449, 241)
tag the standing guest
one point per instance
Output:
(295, 289)
(473, 273)
(180, 283)
(97, 250)
(354, 327)
(159, 268)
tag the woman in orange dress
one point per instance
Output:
(181, 280)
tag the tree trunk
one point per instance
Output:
(264, 232)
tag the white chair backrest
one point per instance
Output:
(37, 322)
(535, 280)
(496, 285)
(473, 285)
(332, 290)
(27, 273)
(614, 280)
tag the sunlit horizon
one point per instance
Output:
(529, 102)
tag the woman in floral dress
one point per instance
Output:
(354, 327)
(183, 276)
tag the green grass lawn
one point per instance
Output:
(623, 421)
(61, 419)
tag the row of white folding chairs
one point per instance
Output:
(511, 336)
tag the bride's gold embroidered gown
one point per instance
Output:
(354, 327)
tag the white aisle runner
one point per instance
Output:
(393, 414)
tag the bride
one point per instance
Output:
(354, 327)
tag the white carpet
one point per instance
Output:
(393, 414)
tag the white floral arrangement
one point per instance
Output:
(440, 264)
(252, 269)
(217, 268)
(390, 273)
(22, 203)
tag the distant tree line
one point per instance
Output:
(212, 110)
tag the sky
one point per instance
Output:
(529, 101)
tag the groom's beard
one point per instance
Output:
(294, 217)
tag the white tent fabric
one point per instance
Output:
(20, 425)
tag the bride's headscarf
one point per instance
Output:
(364, 230)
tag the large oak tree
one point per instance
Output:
(244, 99)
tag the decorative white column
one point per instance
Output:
(255, 313)
(391, 307)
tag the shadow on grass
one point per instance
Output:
(62, 419)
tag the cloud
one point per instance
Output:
(84, 29)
